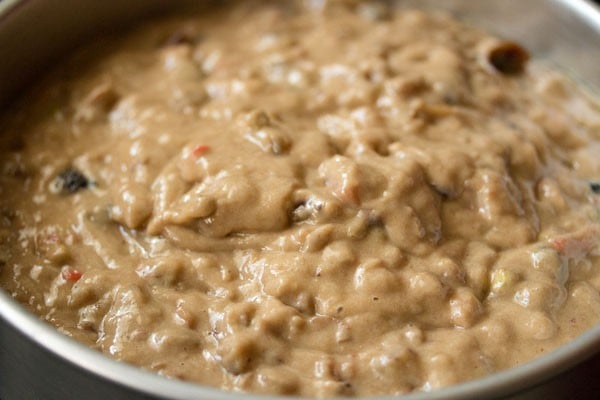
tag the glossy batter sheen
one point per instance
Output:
(318, 198)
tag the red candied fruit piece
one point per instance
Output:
(70, 274)
(200, 150)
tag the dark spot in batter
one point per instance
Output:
(508, 58)
(71, 181)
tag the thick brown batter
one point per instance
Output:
(318, 198)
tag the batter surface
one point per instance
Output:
(319, 198)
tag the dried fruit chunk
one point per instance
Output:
(71, 274)
(506, 57)
(69, 181)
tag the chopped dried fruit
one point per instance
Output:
(200, 150)
(595, 186)
(503, 278)
(70, 274)
(508, 58)
(577, 244)
(70, 181)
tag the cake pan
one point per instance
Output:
(38, 362)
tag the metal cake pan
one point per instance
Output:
(38, 362)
